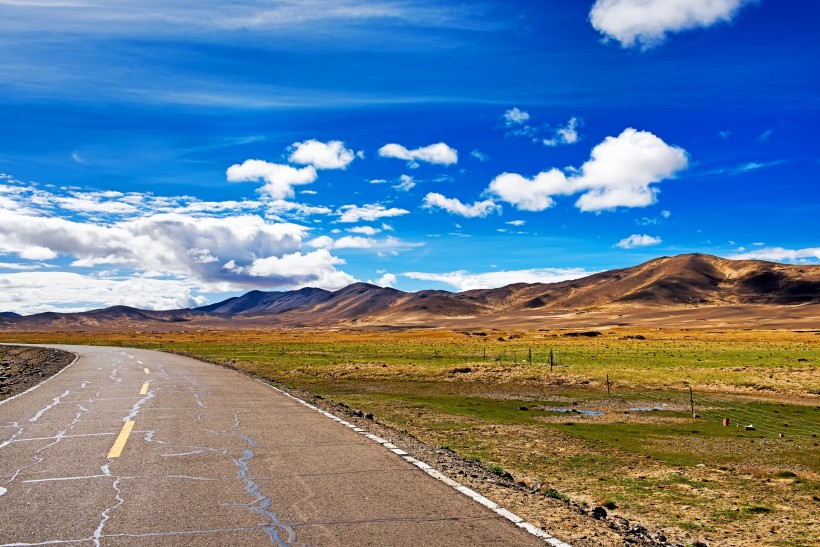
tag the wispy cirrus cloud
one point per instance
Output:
(742, 168)
(780, 254)
(519, 123)
(207, 21)
(387, 245)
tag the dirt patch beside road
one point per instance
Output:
(22, 367)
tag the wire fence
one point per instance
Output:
(752, 414)
(707, 405)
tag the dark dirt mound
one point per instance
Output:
(22, 367)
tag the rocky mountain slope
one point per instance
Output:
(666, 283)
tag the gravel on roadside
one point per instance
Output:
(22, 367)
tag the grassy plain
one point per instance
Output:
(634, 447)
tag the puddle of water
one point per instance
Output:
(577, 411)
(647, 408)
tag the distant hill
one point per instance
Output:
(9, 314)
(684, 282)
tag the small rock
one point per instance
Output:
(637, 529)
(368, 416)
(599, 512)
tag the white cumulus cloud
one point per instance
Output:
(619, 173)
(368, 212)
(173, 245)
(321, 155)
(407, 183)
(387, 280)
(567, 134)
(515, 116)
(35, 292)
(279, 179)
(645, 23)
(454, 206)
(438, 153)
(464, 281)
(314, 269)
(638, 240)
(530, 194)
(621, 170)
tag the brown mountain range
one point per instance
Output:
(692, 290)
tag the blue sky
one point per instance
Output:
(168, 154)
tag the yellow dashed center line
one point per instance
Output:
(144, 389)
(147, 371)
(122, 438)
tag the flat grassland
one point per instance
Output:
(632, 445)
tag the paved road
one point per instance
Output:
(135, 447)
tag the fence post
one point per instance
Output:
(692, 401)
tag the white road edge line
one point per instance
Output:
(50, 378)
(475, 496)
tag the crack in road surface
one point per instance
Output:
(54, 402)
(106, 514)
(56, 440)
(261, 503)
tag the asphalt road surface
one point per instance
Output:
(135, 447)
